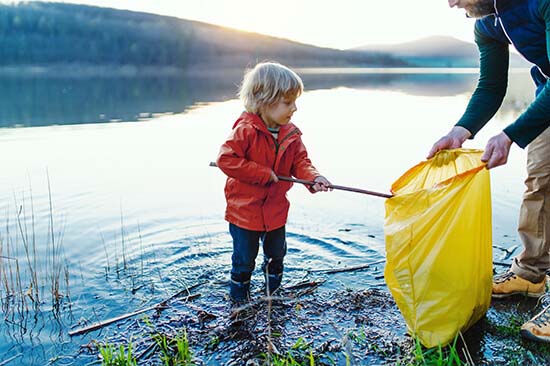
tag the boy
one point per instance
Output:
(263, 144)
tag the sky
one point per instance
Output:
(337, 24)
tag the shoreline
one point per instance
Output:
(132, 71)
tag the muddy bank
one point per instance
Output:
(334, 325)
(361, 326)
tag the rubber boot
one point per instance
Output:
(273, 282)
(239, 291)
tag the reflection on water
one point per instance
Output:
(140, 213)
(33, 100)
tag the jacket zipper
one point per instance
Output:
(278, 144)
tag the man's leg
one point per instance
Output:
(534, 219)
(528, 269)
(274, 244)
(534, 223)
(245, 250)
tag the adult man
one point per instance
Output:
(526, 25)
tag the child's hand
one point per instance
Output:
(321, 184)
(273, 178)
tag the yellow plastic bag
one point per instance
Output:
(438, 245)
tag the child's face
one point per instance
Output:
(279, 113)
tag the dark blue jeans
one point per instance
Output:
(245, 250)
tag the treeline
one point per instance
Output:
(44, 33)
(37, 33)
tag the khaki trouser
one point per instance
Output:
(534, 217)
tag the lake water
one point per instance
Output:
(116, 171)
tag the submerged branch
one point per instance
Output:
(159, 306)
(346, 269)
(5, 362)
(304, 284)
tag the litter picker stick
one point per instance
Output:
(333, 186)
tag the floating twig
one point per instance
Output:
(305, 284)
(159, 306)
(5, 362)
(346, 269)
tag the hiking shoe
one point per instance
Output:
(538, 328)
(509, 283)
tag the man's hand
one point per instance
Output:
(321, 184)
(453, 140)
(497, 150)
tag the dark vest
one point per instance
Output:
(520, 23)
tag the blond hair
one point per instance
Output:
(266, 83)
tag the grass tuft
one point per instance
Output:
(121, 356)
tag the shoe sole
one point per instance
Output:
(528, 335)
(527, 294)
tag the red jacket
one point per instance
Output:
(247, 158)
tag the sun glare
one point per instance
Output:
(343, 24)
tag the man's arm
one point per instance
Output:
(487, 97)
(491, 87)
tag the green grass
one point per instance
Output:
(289, 360)
(359, 337)
(437, 356)
(174, 351)
(213, 343)
(300, 354)
(510, 330)
(112, 356)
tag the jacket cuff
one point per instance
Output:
(512, 132)
(265, 177)
(472, 131)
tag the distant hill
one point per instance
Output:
(43, 34)
(437, 51)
